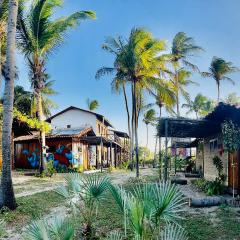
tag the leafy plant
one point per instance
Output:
(231, 136)
(84, 194)
(147, 206)
(56, 229)
(2, 229)
(173, 232)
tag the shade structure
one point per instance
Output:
(187, 128)
(199, 128)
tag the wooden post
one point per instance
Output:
(115, 156)
(111, 152)
(166, 147)
(101, 154)
(96, 156)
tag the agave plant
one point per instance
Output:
(147, 206)
(84, 193)
(56, 229)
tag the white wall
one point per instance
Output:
(75, 118)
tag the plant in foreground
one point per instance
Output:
(148, 206)
(84, 193)
(56, 229)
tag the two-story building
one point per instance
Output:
(78, 138)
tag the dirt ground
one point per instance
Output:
(29, 185)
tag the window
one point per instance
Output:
(99, 129)
(68, 126)
(213, 144)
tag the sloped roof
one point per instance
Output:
(59, 133)
(99, 116)
(121, 134)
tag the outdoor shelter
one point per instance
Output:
(208, 135)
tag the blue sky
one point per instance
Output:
(214, 24)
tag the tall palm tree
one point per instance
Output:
(197, 105)
(149, 118)
(92, 104)
(6, 182)
(219, 71)
(119, 83)
(180, 81)
(183, 47)
(39, 35)
(140, 63)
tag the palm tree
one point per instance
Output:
(232, 98)
(197, 105)
(47, 103)
(6, 182)
(219, 71)
(183, 47)
(140, 64)
(115, 46)
(39, 35)
(149, 118)
(92, 104)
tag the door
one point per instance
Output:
(233, 170)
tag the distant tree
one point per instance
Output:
(183, 47)
(208, 107)
(149, 118)
(233, 99)
(92, 104)
(219, 70)
(22, 100)
(197, 105)
(181, 80)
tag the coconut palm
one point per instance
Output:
(183, 47)
(38, 36)
(219, 70)
(6, 183)
(47, 104)
(207, 108)
(197, 105)
(140, 63)
(119, 83)
(92, 104)
(149, 118)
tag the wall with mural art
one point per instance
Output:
(27, 155)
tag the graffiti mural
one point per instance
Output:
(33, 157)
(62, 157)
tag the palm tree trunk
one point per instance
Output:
(146, 146)
(160, 143)
(40, 116)
(218, 89)
(6, 183)
(128, 118)
(133, 130)
(136, 127)
(177, 92)
(155, 152)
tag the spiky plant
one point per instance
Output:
(147, 206)
(84, 193)
(54, 229)
(2, 228)
(172, 232)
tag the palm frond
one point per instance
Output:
(104, 71)
(172, 232)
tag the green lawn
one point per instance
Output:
(31, 207)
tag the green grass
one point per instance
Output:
(31, 207)
(224, 225)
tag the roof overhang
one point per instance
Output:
(187, 128)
